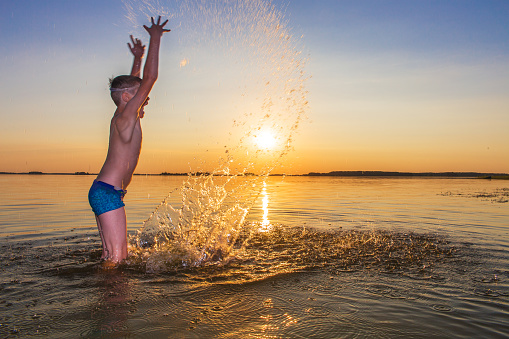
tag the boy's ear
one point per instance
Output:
(126, 96)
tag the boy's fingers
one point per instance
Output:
(164, 23)
(152, 19)
(159, 20)
(132, 38)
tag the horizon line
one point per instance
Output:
(463, 174)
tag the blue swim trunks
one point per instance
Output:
(104, 197)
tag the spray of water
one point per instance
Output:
(256, 40)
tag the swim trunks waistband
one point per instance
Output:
(102, 183)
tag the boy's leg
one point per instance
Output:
(104, 255)
(113, 229)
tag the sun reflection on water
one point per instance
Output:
(265, 226)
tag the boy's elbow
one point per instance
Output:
(150, 77)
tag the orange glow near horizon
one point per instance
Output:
(55, 160)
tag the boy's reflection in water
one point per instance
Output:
(114, 306)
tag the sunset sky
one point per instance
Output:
(417, 86)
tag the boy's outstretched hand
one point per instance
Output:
(137, 48)
(157, 29)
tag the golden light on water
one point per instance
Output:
(265, 208)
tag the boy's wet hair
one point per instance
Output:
(121, 83)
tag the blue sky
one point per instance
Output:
(395, 85)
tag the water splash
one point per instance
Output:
(203, 230)
(255, 47)
(255, 40)
(281, 250)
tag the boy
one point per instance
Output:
(130, 94)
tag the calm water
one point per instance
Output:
(318, 258)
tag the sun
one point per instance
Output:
(264, 140)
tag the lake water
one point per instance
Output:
(320, 257)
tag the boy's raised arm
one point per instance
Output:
(150, 71)
(137, 49)
(127, 119)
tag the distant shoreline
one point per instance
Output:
(411, 174)
(478, 175)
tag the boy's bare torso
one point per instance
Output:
(122, 157)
